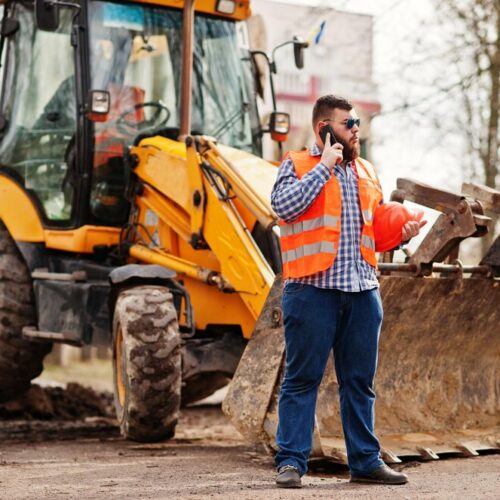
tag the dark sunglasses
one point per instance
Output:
(349, 123)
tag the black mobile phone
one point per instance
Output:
(325, 130)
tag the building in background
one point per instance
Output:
(340, 64)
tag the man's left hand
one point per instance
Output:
(411, 229)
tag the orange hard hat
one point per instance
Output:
(388, 222)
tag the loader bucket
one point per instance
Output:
(437, 382)
(438, 376)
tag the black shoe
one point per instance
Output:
(288, 477)
(381, 475)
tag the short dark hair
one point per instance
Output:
(325, 104)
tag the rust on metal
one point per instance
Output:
(187, 67)
(385, 267)
(255, 379)
(461, 218)
(487, 196)
(438, 368)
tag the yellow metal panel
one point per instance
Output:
(196, 190)
(166, 210)
(159, 220)
(174, 148)
(163, 165)
(205, 258)
(214, 307)
(245, 214)
(83, 239)
(241, 12)
(242, 263)
(18, 213)
(233, 253)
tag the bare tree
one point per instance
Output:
(473, 27)
(447, 81)
(444, 78)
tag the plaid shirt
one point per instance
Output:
(291, 197)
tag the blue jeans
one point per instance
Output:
(317, 321)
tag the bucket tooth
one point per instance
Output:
(467, 450)
(389, 457)
(427, 453)
(338, 455)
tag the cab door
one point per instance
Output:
(38, 111)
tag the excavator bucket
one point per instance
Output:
(438, 376)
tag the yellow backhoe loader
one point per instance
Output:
(135, 213)
(125, 221)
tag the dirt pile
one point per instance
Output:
(74, 402)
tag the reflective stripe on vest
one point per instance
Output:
(368, 216)
(312, 249)
(368, 242)
(309, 225)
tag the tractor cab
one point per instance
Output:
(83, 82)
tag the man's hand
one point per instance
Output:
(411, 229)
(332, 154)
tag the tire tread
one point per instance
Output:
(150, 332)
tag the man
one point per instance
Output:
(325, 198)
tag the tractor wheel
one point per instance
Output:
(20, 360)
(146, 363)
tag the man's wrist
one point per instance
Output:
(323, 170)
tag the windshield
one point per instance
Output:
(136, 54)
(38, 104)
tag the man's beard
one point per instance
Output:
(350, 152)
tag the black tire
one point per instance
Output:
(20, 360)
(146, 363)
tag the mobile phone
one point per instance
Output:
(327, 129)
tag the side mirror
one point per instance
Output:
(279, 126)
(99, 104)
(298, 51)
(46, 15)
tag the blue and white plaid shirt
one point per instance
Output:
(291, 197)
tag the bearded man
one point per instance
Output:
(325, 198)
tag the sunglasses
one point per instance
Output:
(349, 123)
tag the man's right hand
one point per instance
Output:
(332, 153)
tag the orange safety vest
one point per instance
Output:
(309, 244)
